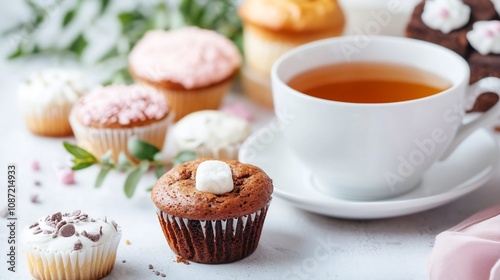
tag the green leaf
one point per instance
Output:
(126, 18)
(68, 17)
(82, 165)
(102, 175)
(78, 152)
(104, 5)
(17, 53)
(78, 45)
(123, 162)
(113, 52)
(134, 177)
(149, 189)
(141, 149)
(159, 171)
(183, 157)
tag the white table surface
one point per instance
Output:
(396, 248)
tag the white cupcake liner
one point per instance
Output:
(229, 152)
(51, 121)
(90, 263)
(99, 140)
(213, 241)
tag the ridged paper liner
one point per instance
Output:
(99, 140)
(49, 122)
(86, 264)
(184, 102)
(213, 241)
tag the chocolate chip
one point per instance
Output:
(38, 183)
(150, 266)
(76, 233)
(54, 235)
(37, 231)
(76, 213)
(114, 224)
(66, 214)
(60, 224)
(84, 233)
(78, 245)
(67, 230)
(92, 220)
(93, 236)
(33, 225)
(56, 217)
(163, 275)
(124, 261)
(157, 273)
(48, 232)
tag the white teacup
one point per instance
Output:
(373, 151)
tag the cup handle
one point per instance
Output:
(490, 84)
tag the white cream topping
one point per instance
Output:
(214, 176)
(485, 37)
(69, 230)
(445, 15)
(51, 87)
(210, 128)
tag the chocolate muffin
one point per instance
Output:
(458, 18)
(212, 211)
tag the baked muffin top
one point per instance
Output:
(189, 56)
(118, 106)
(176, 194)
(292, 15)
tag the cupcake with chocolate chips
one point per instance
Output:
(212, 211)
(71, 246)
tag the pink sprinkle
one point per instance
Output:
(444, 13)
(66, 176)
(238, 110)
(489, 33)
(35, 165)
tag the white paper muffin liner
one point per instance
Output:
(85, 264)
(99, 140)
(51, 121)
(213, 241)
(229, 152)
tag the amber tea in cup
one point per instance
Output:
(368, 82)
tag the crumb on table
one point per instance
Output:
(128, 242)
(182, 260)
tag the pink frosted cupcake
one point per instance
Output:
(193, 67)
(108, 116)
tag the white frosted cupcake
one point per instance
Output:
(107, 117)
(46, 98)
(193, 67)
(212, 134)
(71, 246)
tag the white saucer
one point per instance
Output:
(468, 168)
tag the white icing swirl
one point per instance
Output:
(214, 176)
(43, 236)
(485, 37)
(445, 15)
(51, 87)
(210, 128)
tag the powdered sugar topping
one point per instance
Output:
(189, 56)
(485, 37)
(122, 104)
(445, 15)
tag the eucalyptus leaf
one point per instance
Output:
(68, 17)
(17, 53)
(106, 158)
(183, 157)
(140, 149)
(102, 175)
(149, 189)
(78, 45)
(104, 5)
(134, 177)
(82, 165)
(78, 152)
(123, 162)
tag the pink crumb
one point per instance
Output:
(238, 110)
(35, 165)
(444, 13)
(66, 176)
